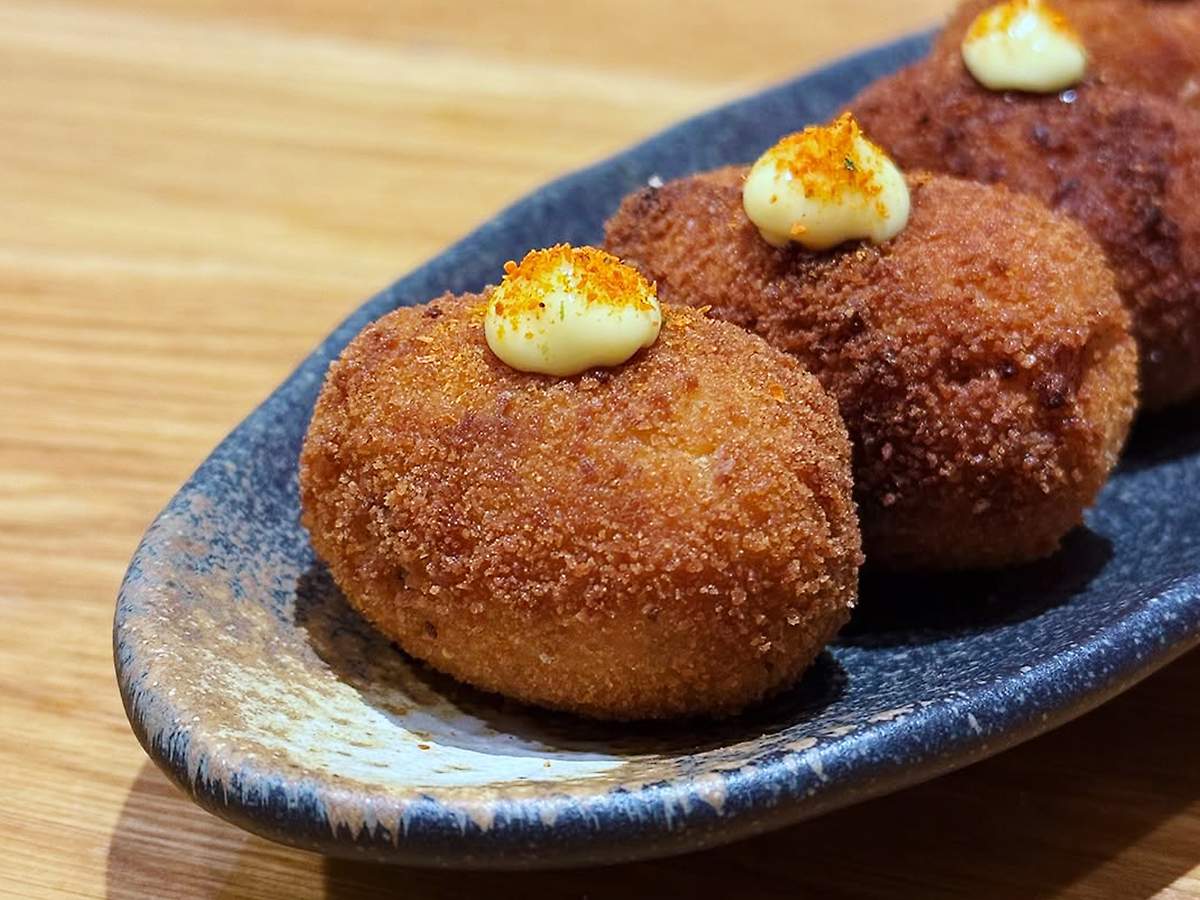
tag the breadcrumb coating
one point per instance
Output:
(1145, 45)
(981, 359)
(1124, 164)
(672, 536)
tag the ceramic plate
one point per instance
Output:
(251, 683)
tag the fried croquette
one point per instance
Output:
(1151, 46)
(981, 358)
(1123, 164)
(672, 536)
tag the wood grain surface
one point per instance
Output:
(192, 192)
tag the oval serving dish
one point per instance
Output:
(254, 686)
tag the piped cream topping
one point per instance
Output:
(1024, 45)
(567, 309)
(826, 185)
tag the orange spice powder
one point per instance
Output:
(825, 160)
(597, 277)
(1001, 16)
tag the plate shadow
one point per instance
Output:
(909, 609)
(1162, 437)
(449, 713)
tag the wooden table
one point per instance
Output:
(192, 192)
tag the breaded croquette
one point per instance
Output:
(981, 358)
(1151, 46)
(671, 536)
(1125, 165)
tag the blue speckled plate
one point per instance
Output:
(252, 684)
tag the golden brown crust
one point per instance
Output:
(675, 535)
(1151, 46)
(981, 358)
(1125, 165)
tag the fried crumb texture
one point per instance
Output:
(672, 536)
(981, 359)
(1121, 162)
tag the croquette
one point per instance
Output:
(981, 358)
(1124, 164)
(1151, 46)
(672, 536)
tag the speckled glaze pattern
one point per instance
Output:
(253, 685)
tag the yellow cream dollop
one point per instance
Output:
(567, 309)
(826, 185)
(1024, 45)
